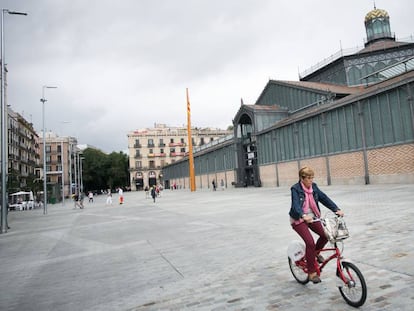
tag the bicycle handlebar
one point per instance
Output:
(316, 219)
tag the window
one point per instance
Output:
(150, 142)
(171, 140)
(151, 151)
(138, 164)
(182, 150)
(182, 140)
(161, 150)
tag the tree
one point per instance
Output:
(117, 171)
(102, 171)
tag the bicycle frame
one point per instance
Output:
(319, 266)
(336, 254)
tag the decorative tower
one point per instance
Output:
(377, 25)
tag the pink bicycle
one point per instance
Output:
(352, 283)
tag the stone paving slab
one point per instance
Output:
(223, 250)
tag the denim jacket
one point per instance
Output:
(298, 199)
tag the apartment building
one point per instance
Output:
(150, 149)
(63, 166)
(23, 153)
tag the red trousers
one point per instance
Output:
(303, 229)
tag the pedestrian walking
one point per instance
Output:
(109, 197)
(153, 193)
(146, 189)
(81, 197)
(121, 195)
(90, 196)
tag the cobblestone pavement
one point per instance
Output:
(222, 250)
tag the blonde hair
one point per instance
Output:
(306, 171)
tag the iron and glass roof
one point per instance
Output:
(391, 71)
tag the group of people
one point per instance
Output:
(78, 198)
(214, 184)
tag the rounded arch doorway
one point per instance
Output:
(152, 178)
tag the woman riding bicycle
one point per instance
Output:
(305, 198)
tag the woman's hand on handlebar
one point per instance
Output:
(307, 218)
(340, 213)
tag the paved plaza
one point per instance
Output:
(206, 250)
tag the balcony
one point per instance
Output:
(137, 156)
(137, 146)
(180, 144)
(177, 154)
(156, 155)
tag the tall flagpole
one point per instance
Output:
(190, 146)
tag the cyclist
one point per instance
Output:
(305, 198)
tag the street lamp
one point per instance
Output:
(81, 175)
(43, 100)
(4, 140)
(68, 155)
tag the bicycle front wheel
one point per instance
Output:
(354, 291)
(298, 273)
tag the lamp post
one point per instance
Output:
(43, 100)
(81, 175)
(4, 140)
(67, 162)
(62, 171)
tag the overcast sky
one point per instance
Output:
(122, 65)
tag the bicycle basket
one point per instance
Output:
(335, 229)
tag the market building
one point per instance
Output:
(351, 118)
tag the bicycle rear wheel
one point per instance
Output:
(298, 273)
(354, 291)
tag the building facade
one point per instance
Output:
(23, 154)
(63, 166)
(151, 149)
(351, 118)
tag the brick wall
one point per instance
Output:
(385, 165)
